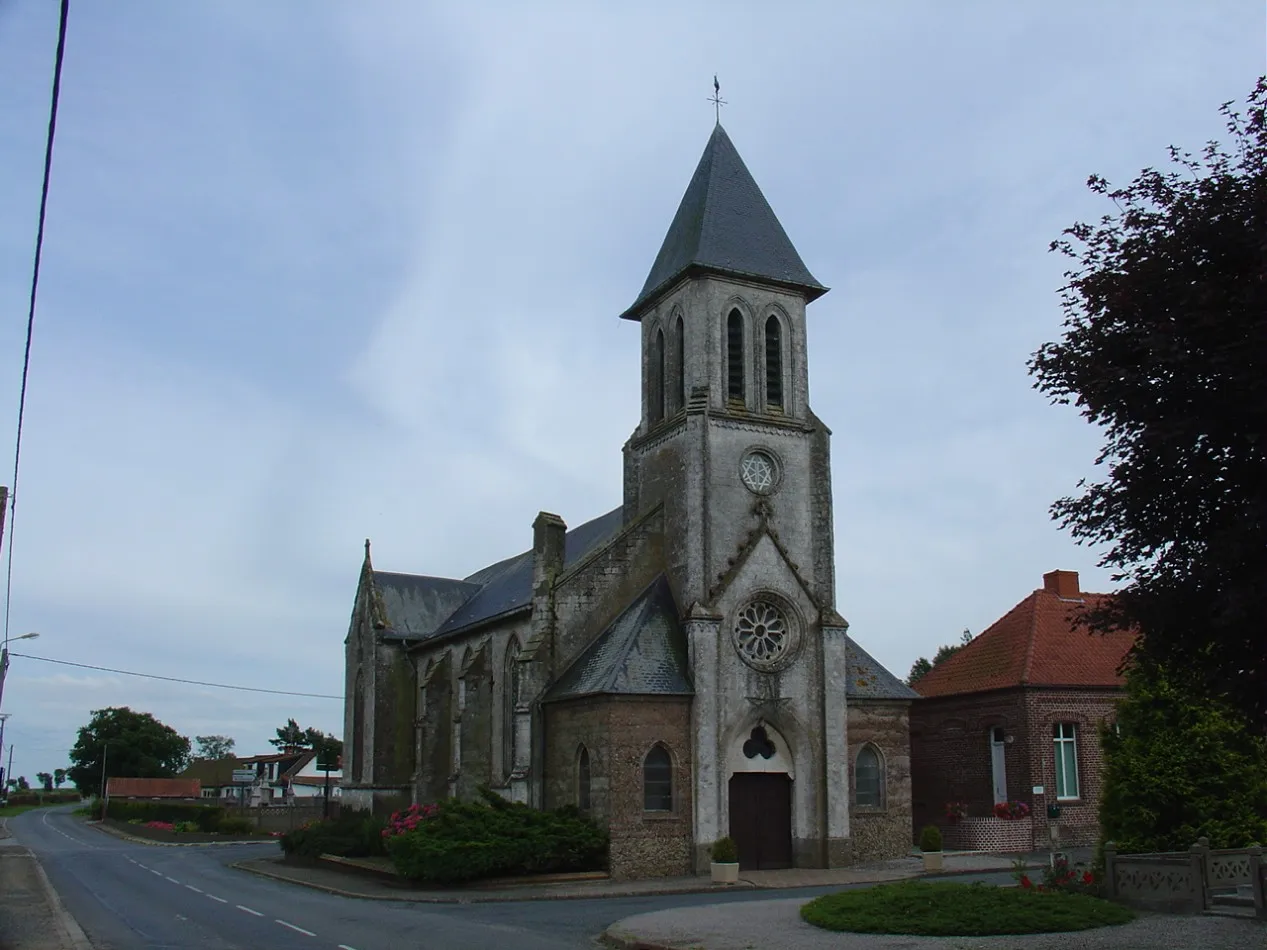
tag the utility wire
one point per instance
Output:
(174, 679)
(35, 283)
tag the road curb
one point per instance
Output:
(73, 935)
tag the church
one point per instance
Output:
(676, 668)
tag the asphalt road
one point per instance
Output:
(129, 896)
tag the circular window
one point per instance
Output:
(759, 471)
(764, 635)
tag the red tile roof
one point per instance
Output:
(1039, 642)
(153, 788)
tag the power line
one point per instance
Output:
(175, 679)
(35, 282)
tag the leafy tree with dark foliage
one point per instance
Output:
(214, 747)
(134, 745)
(1165, 346)
(921, 667)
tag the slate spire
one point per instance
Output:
(724, 225)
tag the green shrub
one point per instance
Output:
(354, 834)
(725, 851)
(465, 841)
(231, 825)
(930, 838)
(206, 817)
(186, 827)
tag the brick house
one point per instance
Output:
(1019, 707)
(676, 667)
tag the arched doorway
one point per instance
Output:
(760, 792)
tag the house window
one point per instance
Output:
(869, 779)
(657, 780)
(734, 357)
(583, 780)
(657, 377)
(773, 364)
(679, 347)
(1065, 736)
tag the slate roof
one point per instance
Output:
(507, 585)
(642, 652)
(725, 225)
(867, 679)
(1039, 642)
(415, 604)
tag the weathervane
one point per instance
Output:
(716, 98)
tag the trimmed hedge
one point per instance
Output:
(354, 834)
(206, 817)
(465, 841)
(36, 797)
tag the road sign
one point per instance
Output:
(243, 776)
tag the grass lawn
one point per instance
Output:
(8, 811)
(959, 910)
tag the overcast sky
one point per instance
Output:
(321, 272)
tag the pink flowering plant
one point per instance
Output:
(409, 819)
(161, 825)
(956, 812)
(1011, 811)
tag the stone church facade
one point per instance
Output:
(677, 667)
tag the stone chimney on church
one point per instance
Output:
(549, 533)
(1062, 584)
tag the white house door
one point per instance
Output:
(997, 745)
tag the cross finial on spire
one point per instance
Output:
(716, 98)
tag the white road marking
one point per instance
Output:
(293, 927)
(140, 865)
(196, 890)
(152, 871)
(248, 910)
(220, 899)
(344, 946)
(172, 879)
(44, 819)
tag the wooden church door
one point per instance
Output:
(761, 819)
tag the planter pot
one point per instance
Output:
(932, 860)
(725, 873)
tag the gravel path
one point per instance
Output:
(771, 924)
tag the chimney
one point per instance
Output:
(548, 533)
(1062, 584)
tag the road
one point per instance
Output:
(129, 896)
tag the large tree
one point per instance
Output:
(291, 738)
(133, 744)
(923, 666)
(1165, 347)
(214, 747)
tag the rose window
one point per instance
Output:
(762, 633)
(758, 472)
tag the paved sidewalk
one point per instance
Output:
(767, 924)
(31, 916)
(375, 887)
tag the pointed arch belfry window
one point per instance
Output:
(679, 348)
(583, 780)
(657, 377)
(734, 358)
(774, 363)
(358, 727)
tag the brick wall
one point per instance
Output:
(991, 834)
(883, 832)
(950, 753)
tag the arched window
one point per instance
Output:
(869, 779)
(773, 363)
(510, 699)
(657, 377)
(657, 780)
(583, 780)
(358, 727)
(679, 347)
(734, 357)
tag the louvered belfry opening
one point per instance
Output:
(679, 347)
(774, 364)
(657, 377)
(734, 358)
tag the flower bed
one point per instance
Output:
(165, 831)
(990, 834)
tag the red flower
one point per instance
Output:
(1026, 882)
(1087, 877)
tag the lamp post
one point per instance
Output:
(4, 659)
(3, 774)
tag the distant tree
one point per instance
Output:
(214, 747)
(328, 749)
(23, 784)
(290, 738)
(139, 746)
(1165, 347)
(922, 667)
(45, 779)
(59, 776)
(1177, 767)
